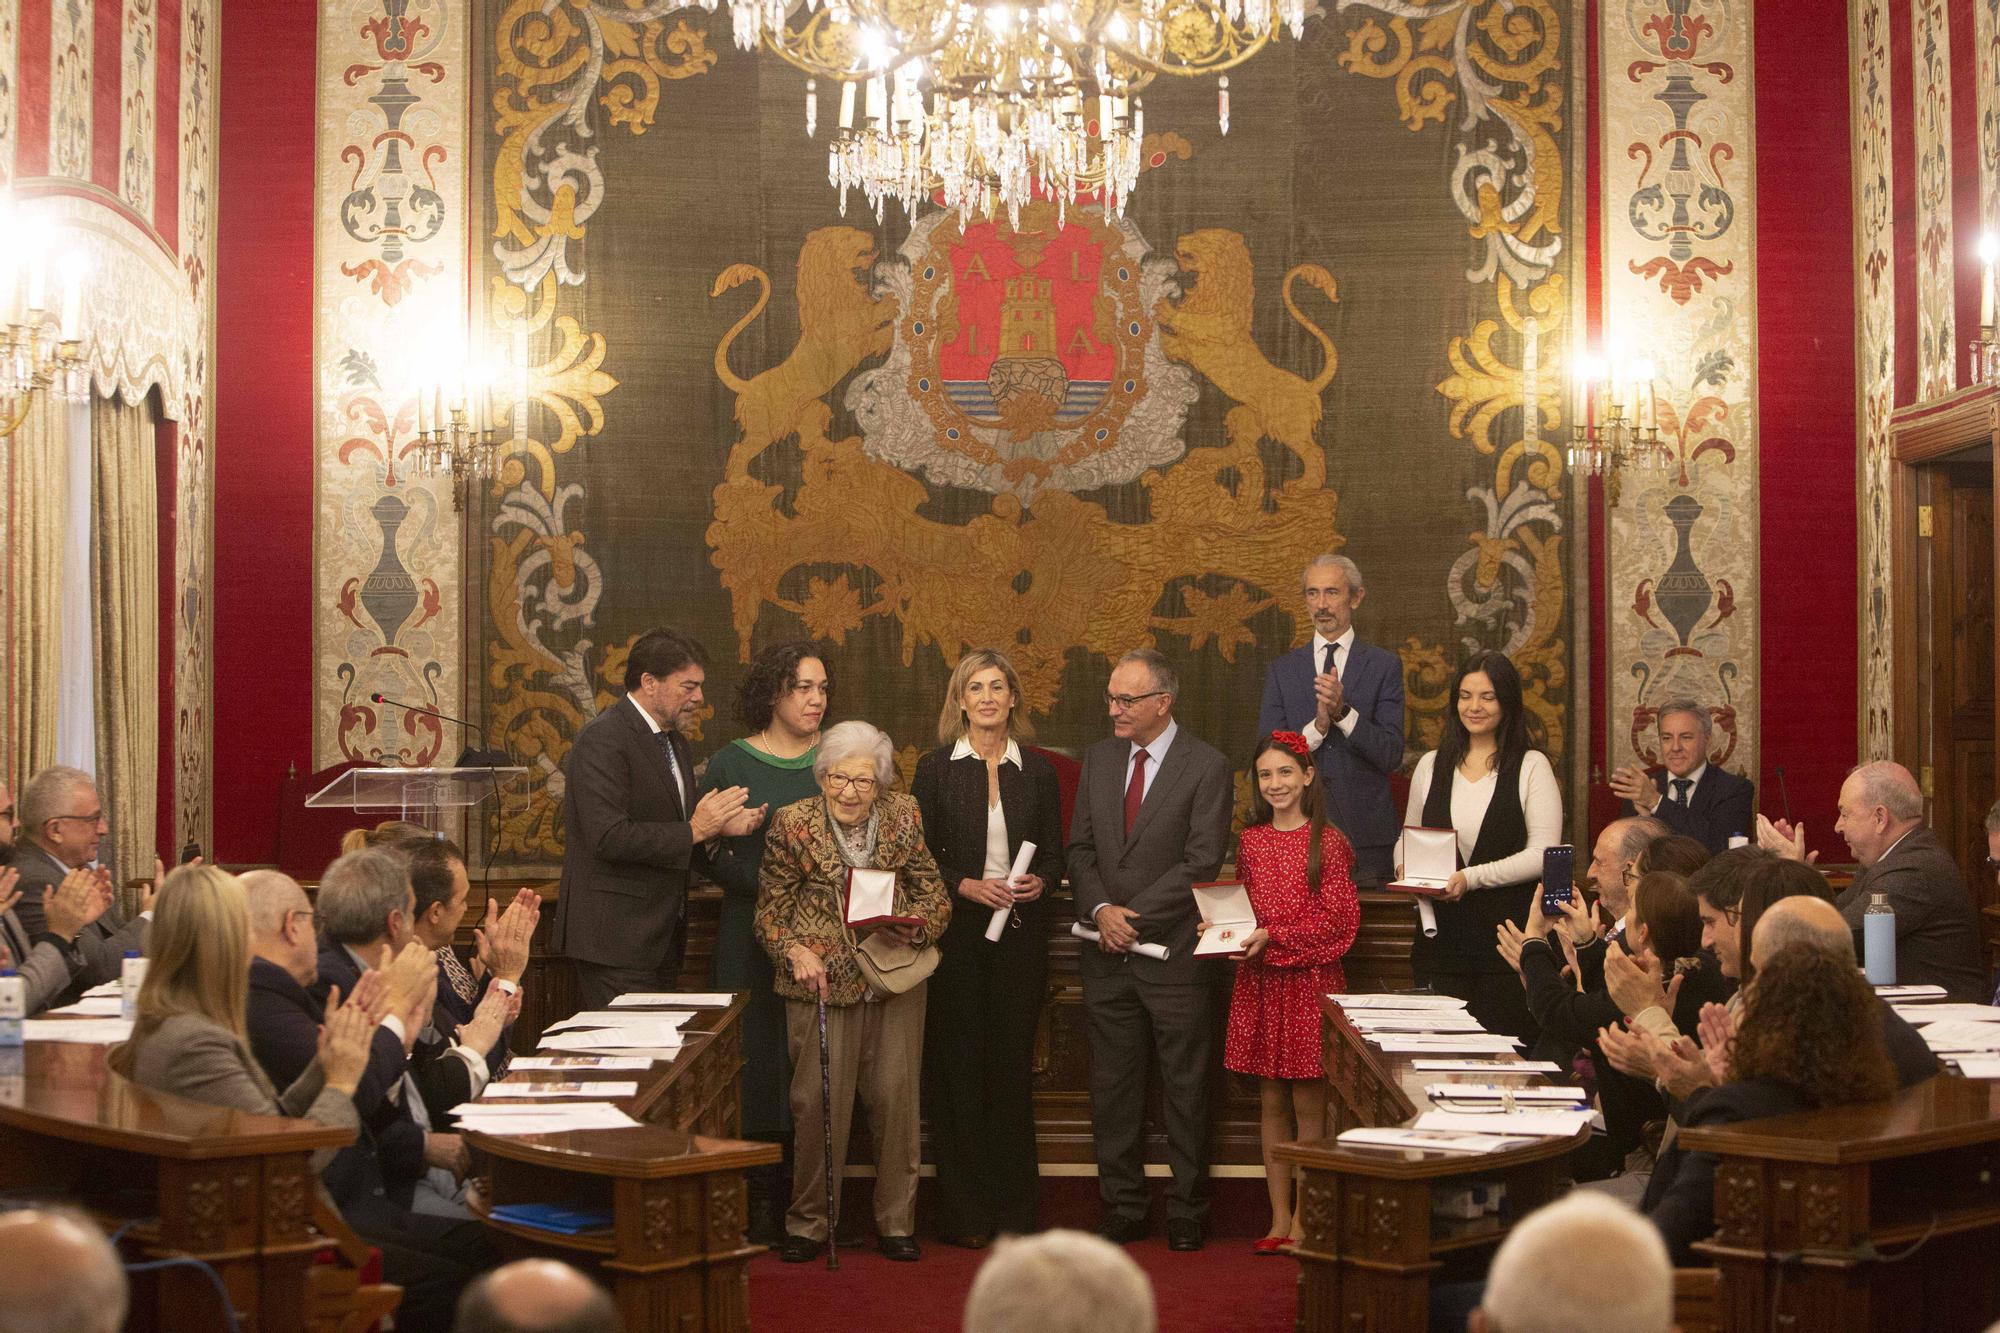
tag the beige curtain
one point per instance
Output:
(37, 497)
(125, 628)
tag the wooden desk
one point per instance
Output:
(675, 1257)
(231, 1189)
(1880, 1216)
(1371, 1247)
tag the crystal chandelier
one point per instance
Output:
(41, 348)
(456, 441)
(1620, 431)
(989, 104)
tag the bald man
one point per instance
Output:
(1541, 1282)
(1937, 926)
(60, 1273)
(1804, 920)
(536, 1296)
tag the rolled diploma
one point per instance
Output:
(1000, 914)
(1084, 932)
(1427, 918)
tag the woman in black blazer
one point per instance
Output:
(982, 795)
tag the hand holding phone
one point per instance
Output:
(1558, 879)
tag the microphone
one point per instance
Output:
(1784, 797)
(471, 756)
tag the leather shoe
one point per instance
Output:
(1122, 1229)
(903, 1249)
(1183, 1233)
(800, 1250)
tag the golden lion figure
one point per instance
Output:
(1209, 329)
(840, 326)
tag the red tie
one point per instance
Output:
(1135, 791)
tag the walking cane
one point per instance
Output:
(826, 1124)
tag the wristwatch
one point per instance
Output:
(1345, 709)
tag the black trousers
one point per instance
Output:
(598, 984)
(979, 1038)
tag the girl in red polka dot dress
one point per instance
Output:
(1298, 869)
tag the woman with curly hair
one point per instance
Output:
(782, 703)
(1809, 1037)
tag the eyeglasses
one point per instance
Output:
(305, 912)
(841, 782)
(97, 818)
(1733, 915)
(1122, 702)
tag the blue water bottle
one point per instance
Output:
(13, 1007)
(1878, 941)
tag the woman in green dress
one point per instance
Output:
(781, 703)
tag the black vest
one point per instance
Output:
(1466, 936)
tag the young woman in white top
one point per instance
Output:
(1486, 782)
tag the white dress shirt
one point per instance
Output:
(1345, 726)
(998, 862)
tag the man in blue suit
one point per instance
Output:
(1345, 696)
(1690, 795)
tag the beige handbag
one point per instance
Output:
(889, 967)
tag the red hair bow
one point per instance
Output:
(1294, 742)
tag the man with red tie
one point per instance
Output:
(1151, 820)
(632, 828)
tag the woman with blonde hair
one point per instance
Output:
(982, 796)
(189, 1037)
(385, 834)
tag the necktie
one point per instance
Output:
(1332, 654)
(1135, 791)
(665, 740)
(1681, 786)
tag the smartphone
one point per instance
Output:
(1558, 879)
(190, 852)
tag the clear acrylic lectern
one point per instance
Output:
(418, 794)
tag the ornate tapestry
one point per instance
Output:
(740, 410)
(1680, 290)
(1875, 357)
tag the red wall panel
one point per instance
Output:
(263, 420)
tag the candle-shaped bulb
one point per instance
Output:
(423, 413)
(1222, 102)
(847, 105)
(812, 108)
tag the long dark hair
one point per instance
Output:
(1309, 800)
(1512, 733)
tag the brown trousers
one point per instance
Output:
(875, 1049)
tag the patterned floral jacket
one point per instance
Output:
(799, 891)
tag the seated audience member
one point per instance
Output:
(385, 834)
(1937, 923)
(367, 917)
(1690, 795)
(1060, 1281)
(438, 878)
(536, 1296)
(1614, 868)
(62, 825)
(60, 1274)
(1676, 852)
(1807, 1037)
(1582, 1264)
(47, 964)
(371, 1182)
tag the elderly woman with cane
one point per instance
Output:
(866, 981)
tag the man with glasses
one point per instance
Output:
(46, 963)
(1345, 696)
(633, 828)
(1614, 863)
(62, 827)
(1151, 820)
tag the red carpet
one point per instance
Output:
(1220, 1287)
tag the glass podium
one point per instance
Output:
(419, 795)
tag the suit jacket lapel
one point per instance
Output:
(1171, 770)
(652, 748)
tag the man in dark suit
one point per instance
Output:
(47, 964)
(1151, 820)
(62, 824)
(1345, 697)
(1937, 926)
(371, 1181)
(633, 828)
(1689, 795)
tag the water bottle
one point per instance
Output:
(1738, 840)
(1878, 941)
(13, 1075)
(130, 978)
(13, 1007)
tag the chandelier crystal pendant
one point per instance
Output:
(990, 105)
(1620, 431)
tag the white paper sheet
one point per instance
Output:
(82, 1031)
(1392, 1000)
(1962, 1035)
(559, 1088)
(674, 1000)
(580, 1061)
(1919, 1015)
(1435, 1020)
(1431, 1141)
(1476, 1066)
(1494, 1092)
(1979, 1066)
(613, 1039)
(1913, 992)
(92, 1006)
(105, 988)
(1538, 1122)
(547, 1119)
(623, 1018)
(1434, 1043)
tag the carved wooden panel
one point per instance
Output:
(1739, 1208)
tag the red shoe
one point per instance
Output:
(1271, 1245)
